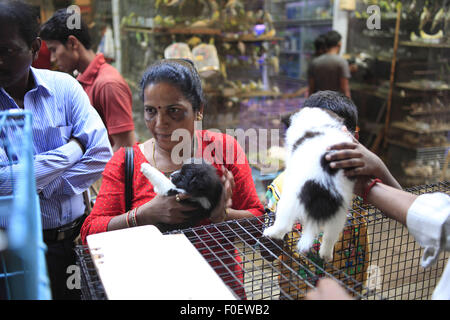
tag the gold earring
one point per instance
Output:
(199, 116)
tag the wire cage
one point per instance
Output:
(417, 166)
(374, 259)
(23, 270)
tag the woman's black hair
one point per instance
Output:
(56, 28)
(23, 16)
(180, 73)
(337, 102)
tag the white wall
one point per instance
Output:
(340, 24)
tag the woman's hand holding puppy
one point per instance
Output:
(219, 214)
(164, 209)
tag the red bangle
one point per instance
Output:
(127, 216)
(369, 187)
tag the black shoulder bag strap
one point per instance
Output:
(129, 167)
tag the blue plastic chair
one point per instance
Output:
(23, 269)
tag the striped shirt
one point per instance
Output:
(61, 110)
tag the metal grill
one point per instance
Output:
(432, 160)
(375, 258)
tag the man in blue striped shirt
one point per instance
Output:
(70, 141)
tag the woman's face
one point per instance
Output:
(165, 110)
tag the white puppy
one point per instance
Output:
(313, 193)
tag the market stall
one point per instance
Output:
(253, 57)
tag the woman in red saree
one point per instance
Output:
(173, 101)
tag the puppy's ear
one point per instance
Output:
(196, 183)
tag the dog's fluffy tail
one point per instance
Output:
(161, 184)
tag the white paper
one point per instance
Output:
(142, 264)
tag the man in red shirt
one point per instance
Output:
(43, 59)
(70, 48)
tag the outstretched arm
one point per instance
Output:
(428, 219)
(358, 161)
(393, 202)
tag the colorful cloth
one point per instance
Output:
(351, 252)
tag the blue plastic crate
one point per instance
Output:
(23, 270)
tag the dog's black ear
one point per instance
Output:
(196, 183)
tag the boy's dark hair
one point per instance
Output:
(23, 15)
(320, 43)
(337, 102)
(332, 38)
(56, 28)
(180, 73)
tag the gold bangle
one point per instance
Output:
(227, 214)
(133, 218)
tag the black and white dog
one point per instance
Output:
(313, 193)
(196, 178)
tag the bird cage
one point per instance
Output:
(23, 270)
(375, 258)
